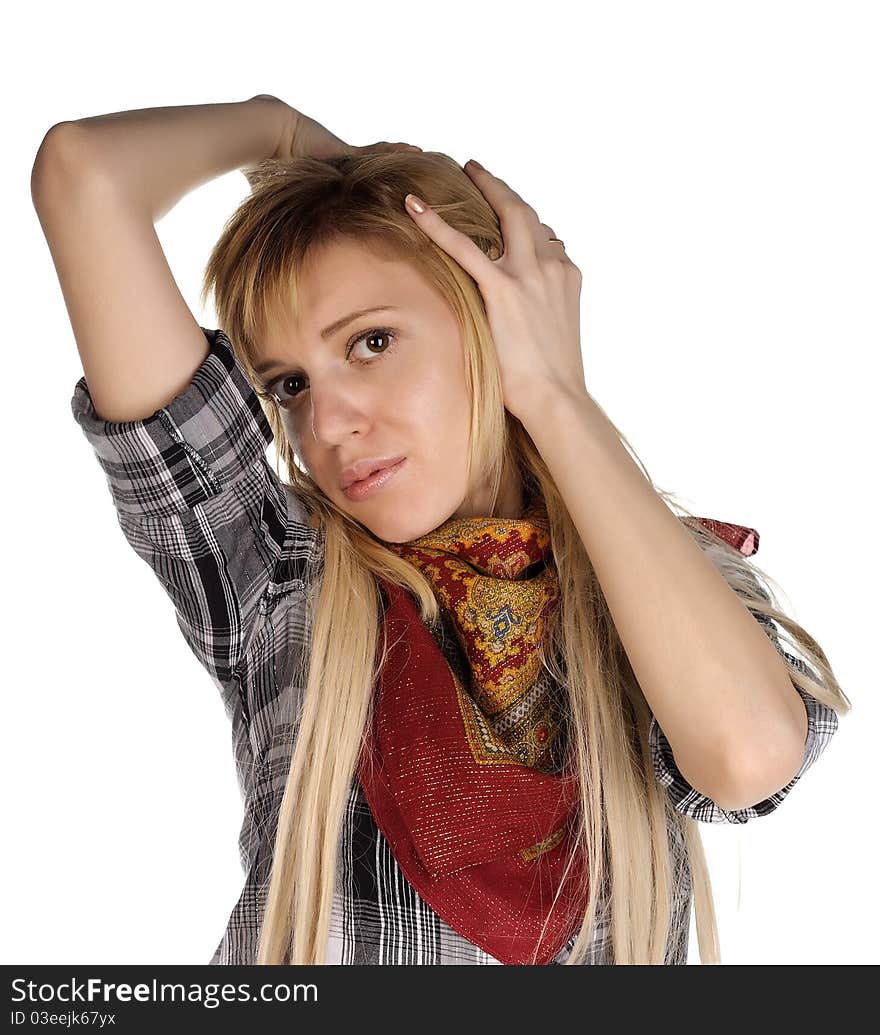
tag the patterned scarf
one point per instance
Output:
(463, 765)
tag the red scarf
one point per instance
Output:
(466, 782)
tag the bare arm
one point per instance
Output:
(709, 672)
(99, 185)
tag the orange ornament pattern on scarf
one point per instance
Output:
(496, 581)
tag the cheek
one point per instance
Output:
(440, 392)
(293, 438)
(293, 431)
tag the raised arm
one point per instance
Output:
(99, 185)
(170, 414)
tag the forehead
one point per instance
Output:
(343, 277)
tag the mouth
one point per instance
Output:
(375, 481)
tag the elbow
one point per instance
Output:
(65, 154)
(755, 775)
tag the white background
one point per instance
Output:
(713, 169)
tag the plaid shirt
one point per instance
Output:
(229, 542)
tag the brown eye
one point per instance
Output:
(285, 391)
(372, 336)
(285, 384)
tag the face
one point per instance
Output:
(385, 384)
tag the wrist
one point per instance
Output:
(283, 119)
(545, 397)
(564, 409)
(279, 120)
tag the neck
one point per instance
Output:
(511, 500)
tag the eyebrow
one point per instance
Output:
(328, 332)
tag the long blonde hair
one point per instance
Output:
(253, 272)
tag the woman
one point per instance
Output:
(483, 681)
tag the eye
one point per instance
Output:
(283, 389)
(369, 337)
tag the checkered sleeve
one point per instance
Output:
(197, 500)
(822, 724)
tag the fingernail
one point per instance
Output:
(415, 203)
(474, 163)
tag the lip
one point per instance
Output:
(362, 469)
(366, 487)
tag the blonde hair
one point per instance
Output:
(253, 272)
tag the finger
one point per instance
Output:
(452, 241)
(495, 188)
(385, 146)
(519, 221)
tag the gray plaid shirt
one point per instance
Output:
(228, 540)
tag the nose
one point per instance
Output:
(337, 411)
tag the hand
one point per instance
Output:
(302, 136)
(531, 295)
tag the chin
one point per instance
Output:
(394, 533)
(402, 528)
